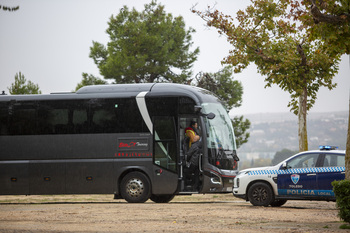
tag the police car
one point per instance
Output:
(304, 176)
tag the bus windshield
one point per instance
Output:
(220, 136)
(220, 130)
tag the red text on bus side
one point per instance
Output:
(131, 144)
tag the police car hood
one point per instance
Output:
(259, 169)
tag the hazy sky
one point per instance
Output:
(49, 42)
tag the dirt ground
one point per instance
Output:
(196, 213)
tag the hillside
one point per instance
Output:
(272, 132)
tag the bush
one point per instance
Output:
(342, 193)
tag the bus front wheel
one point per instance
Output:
(135, 187)
(162, 198)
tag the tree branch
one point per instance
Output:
(327, 18)
(302, 55)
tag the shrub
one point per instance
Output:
(342, 193)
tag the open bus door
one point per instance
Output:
(165, 170)
(190, 158)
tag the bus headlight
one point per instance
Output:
(216, 179)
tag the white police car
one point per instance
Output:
(304, 176)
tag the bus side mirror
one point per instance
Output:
(210, 116)
(198, 109)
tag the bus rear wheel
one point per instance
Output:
(135, 187)
(162, 198)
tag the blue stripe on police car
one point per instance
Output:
(305, 192)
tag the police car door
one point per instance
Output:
(333, 169)
(299, 176)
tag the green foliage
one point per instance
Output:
(8, 8)
(284, 54)
(282, 155)
(345, 226)
(328, 21)
(20, 87)
(228, 90)
(147, 46)
(342, 192)
(88, 80)
(241, 127)
(279, 45)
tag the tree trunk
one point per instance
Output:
(303, 144)
(347, 153)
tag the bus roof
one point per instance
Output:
(123, 90)
(115, 88)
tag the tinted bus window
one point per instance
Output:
(63, 116)
(162, 106)
(23, 119)
(4, 112)
(186, 105)
(116, 116)
(71, 117)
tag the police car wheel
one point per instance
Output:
(260, 194)
(278, 203)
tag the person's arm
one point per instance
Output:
(193, 137)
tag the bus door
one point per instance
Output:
(190, 156)
(165, 158)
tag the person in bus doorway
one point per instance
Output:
(192, 133)
(192, 155)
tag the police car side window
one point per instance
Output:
(303, 161)
(333, 160)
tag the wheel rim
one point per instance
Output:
(134, 187)
(260, 194)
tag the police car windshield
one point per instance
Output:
(219, 130)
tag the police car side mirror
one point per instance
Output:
(284, 165)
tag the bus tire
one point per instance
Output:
(260, 194)
(162, 198)
(135, 187)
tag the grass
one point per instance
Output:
(345, 226)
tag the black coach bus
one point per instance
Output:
(124, 139)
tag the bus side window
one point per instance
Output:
(165, 143)
(4, 112)
(23, 120)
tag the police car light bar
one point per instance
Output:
(328, 147)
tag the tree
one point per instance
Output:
(8, 8)
(347, 152)
(284, 54)
(328, 21)
(19, 87)
(147, 46)
(282, 155)
(241, 127)
(89, 79)
(230, 92)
